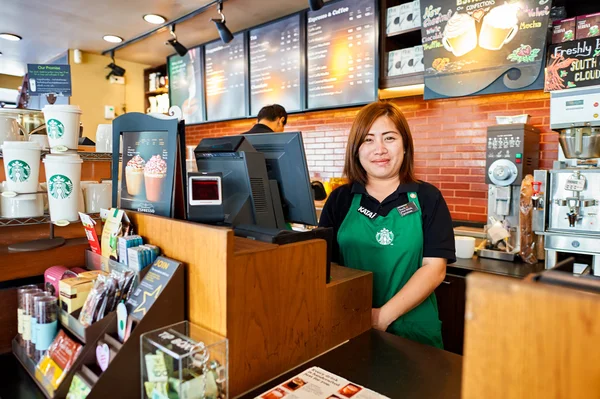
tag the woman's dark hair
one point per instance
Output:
(359, 130)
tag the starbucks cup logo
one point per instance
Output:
(60, 186)
(55, 129)
(18, 171)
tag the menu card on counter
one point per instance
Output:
(275, 66)
(341, 49)
(316, 383)
(468, 45)
(573, 64)
(225, 74)
(185, 84)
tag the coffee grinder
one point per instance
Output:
(512, 152)
(567, 198)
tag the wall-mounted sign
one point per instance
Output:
(49, 79)
(573, 64)
(186, 88)
(469, 44)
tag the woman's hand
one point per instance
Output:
(379, 319)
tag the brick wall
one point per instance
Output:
(449, 135)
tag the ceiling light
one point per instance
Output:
(180, 48)
(10, 36)
(224, 32)
(154, 19)
(112, 38)
(315, 5)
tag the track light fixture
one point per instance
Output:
(115, 70)
(224, 32)
(316, 5)
(180, 48)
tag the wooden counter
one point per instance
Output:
(270, 301)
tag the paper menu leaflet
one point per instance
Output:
(316, 383)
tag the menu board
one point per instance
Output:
(469, 44)
(275, 65)
(185, 85)
(342, 52)
(225, 73)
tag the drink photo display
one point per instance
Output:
(148, 173)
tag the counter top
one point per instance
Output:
(387, 364)
(502, 268)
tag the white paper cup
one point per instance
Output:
(465, 247)
(41, 139)
(62, 125)
(97, 196)
(63, 177)
(21, 165)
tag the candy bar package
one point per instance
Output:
(58, 360)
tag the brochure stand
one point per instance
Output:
(124, 367)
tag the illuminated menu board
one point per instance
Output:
(185, 85)
(275, 65)
(225, 66)
(341, 50)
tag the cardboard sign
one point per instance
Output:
(49, 79)
(573, 64)
(151, 286)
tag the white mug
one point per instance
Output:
(104, 138)
(10, 129)
(41, 139)
(97, 196)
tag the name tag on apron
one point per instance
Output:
(407, 209)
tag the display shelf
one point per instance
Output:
(402, 32)
(402, 80)
(34, 220)
(85, 334)
(85, 155)
(162, 90)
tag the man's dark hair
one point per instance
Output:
(272, 113)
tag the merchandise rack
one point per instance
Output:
(168, 308)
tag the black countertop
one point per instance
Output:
(15, 382)
(389, 365)
(510, 269)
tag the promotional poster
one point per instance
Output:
(148, 172)
(470, 44)
(573, 64)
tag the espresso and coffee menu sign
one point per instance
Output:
(49, 79)
(225, 74)
(275, 66)
(469, 44)
(573, 64)
(185, 85)
(341, 50)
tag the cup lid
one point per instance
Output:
(63, 158)
(62, 108)
(21, 145)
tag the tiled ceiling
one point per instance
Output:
(49, 28)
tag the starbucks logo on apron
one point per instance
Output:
(55, 129)
(385, 237)
(18, 171)
(60, 186)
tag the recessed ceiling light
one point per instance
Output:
(10, 36)
(154, 19)
(112, 38)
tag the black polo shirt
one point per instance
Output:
(259, 128)
(438, 234)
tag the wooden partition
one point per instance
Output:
(270, 301)
(529, 340)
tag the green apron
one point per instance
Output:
(392, 248)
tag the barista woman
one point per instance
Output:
(389, 223)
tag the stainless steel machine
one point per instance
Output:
(512, 152)
(567, 198)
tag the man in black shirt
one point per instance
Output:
(271, 119)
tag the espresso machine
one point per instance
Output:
(567, 198)
(512, 152)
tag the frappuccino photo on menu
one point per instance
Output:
(147, 179)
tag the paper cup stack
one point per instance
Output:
(62, 125)
(22, 170)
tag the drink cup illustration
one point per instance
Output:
(460, 34)
(499, 27)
